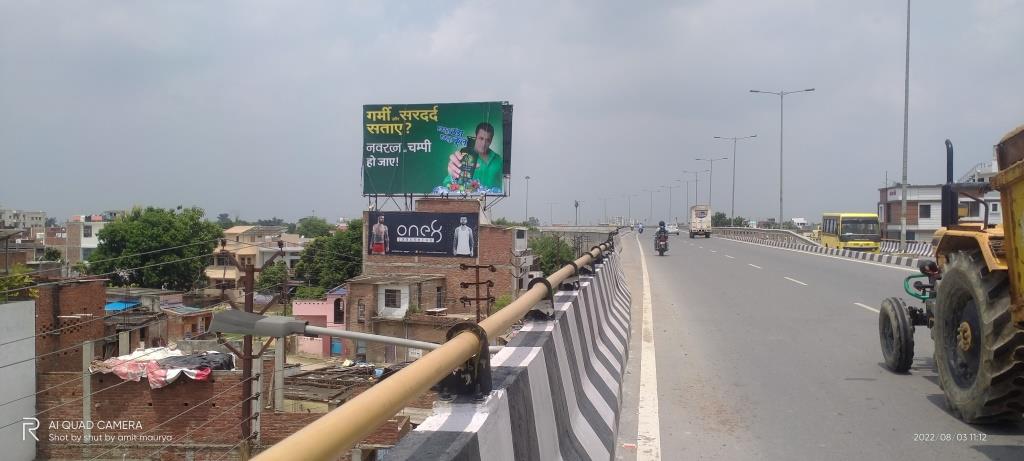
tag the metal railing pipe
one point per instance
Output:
(329, 436)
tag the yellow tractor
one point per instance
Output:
(973, 298)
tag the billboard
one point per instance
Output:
(409, 233)
(437, 149)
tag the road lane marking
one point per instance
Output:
(795, 281)
(872, 309)
(754, 266)
(698, 246)
(730, 257)
(713, 251)
(902, 268)
(648, 431)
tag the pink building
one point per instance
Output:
(329, 313)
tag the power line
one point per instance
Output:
(84, 396)
(75, 325)
(121, 257)
(144, 325)
(107, 273)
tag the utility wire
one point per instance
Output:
(121, 257)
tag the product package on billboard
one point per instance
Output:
(426, 234)
(437, 149)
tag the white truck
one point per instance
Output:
(700, 221)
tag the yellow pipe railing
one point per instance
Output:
(337, 431)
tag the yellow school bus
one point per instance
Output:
(850, 231)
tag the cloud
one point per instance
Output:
(253, 107)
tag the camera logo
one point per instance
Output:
(29, 426)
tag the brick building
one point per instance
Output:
(418, 297)
(328, 312)
(74, 308)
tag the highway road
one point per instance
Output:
(765, 353)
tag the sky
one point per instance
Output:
(253, 108)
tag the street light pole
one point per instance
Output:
(527, 218)
(781, 94)
(551, 213)
(711, 172)
(732, 206)
(650, 214)
(629, 208)
(906, 127)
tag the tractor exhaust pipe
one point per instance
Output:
(949, 195)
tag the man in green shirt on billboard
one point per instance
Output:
(483, 167)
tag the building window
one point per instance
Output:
(888, 213)
(973, 210)
(86, 231)
(392, 298)
(925, 211)
(361, 312)
(440, 297)
(339, 311)
(995, 208)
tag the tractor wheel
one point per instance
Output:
(979, 353)
(897, 335)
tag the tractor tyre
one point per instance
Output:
(897, 335)
(979, 353)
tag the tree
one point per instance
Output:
(224, 221)
(552, 253)
(174, 242)
(309, 293)
(719, 220)
(313, 227)
(533, 222)
(329, 261)
(273, 277)
(739, 221)
(12, 284)
(52, 254)
(51, 222)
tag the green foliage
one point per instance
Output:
(310, 293)
(552, 253)
(145, 230)
(224, 221)
(719, 220)
(532, 223)
(313, 227)
(51, 222)
(272, 277)
(15, 280)
(501, 302)
(52, 254)
(328, 261)
(739, 221)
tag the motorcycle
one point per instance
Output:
(661, 244)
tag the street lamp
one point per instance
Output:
(650, 214)
(711, 172)
(670, 187)
(527, 219)
(686, 210)
(906, 127)
(551, 212)
(629, 207)
(781, 94)
(696, 185)
(732, 207)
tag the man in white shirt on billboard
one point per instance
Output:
(463, 239)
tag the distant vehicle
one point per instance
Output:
(672, 229)
(700, 221)
(851, 231)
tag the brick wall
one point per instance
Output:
(63, 300)
(10, 258)
(495, 248)
(117, 400)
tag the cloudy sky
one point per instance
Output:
(254, 107)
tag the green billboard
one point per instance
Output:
(437, 149)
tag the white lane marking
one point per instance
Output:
(902, 268)
(713, 251)
(730, 257)
(754, 266)
(872, 309)
(698, 246)
(648, 431)
(795, 281)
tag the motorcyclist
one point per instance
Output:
(661, 230)
(640, 227)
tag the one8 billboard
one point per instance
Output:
(411, 233)
(437, 149)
